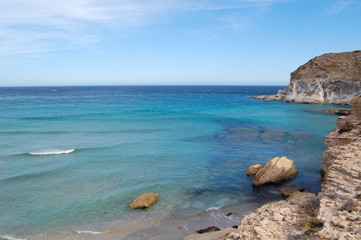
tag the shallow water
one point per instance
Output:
(74, 157)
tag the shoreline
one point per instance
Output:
(170, 227)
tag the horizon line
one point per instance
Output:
(150, 85)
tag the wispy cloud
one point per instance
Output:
(32, 26)
(339, 6)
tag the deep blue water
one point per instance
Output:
(192, 145)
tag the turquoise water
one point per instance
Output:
(77, 156)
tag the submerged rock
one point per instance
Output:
(144, 201)
(286, 192)
(342, 112)
(275, 171)
(333, 78)
(253, 170)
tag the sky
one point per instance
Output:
(169, 42)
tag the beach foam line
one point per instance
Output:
(52, 152)
(89, 232)
(213, 208)
(10, 238)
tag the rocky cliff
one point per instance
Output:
(335, 213)
(340, 199)
(333, 78)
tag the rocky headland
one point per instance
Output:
(335, 213)
(333, 78)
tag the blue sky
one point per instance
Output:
(146, 42)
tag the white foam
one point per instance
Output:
(11, 238)
(52, 152)
(213, 209)
(88, 232)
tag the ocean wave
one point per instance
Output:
(10, 238)
(52, 152)
(213, 209)
(88, 232)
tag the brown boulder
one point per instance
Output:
(144, 201)
(275, 171)
(253, 170)
(286, 192)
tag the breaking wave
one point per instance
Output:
(213, 209)
(10, 238)
(88, 232)
(52, 152)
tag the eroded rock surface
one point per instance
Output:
(333, 78)
(340, 198)
(278, 220)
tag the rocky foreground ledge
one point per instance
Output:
(333, 78)
(335, 213)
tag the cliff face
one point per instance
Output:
(335, 213)
(340, 199)
(333, 78)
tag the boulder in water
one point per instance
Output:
(253, 170)
(275, 171)
(144, 201)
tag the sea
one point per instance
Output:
(73, 158)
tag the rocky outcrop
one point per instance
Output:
(280, 220)
(253, 170)
(342, 112)
(340, 199)
(333, 78)
(144, 201)
(275, 171)
(336, 212)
